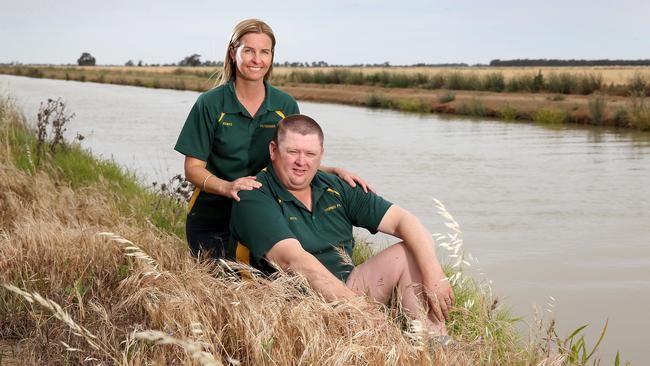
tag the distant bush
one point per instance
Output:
(639, 112)
(597, 105)
(638, 85)
(590, 83)
(508, 113)
(414, 106)
(378, 101)
(494, 82)
(621, 117)
(563, 83)
(549, 115)
(446, 98)
(473, 108)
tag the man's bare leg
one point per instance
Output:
(395, 267)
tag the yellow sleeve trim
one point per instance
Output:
(279, 113)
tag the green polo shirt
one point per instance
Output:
(270, 214)
(220, 131)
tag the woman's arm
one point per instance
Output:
(198, 175)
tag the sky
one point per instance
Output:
(336, 31)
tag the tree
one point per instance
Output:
(192, 60)
(129, 63)
(86, 59)
(140, 64)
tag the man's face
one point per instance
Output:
(296, 159)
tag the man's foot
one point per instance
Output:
(446, 341)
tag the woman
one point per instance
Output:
(226, 135)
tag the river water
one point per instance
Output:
(561, 212)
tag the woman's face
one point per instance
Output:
(253, 57)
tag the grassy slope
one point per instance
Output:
(51, 211)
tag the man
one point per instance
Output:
(301, 219)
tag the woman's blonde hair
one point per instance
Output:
(241, 29)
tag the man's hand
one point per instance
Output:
(440, 296)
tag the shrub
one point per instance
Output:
(446, 98)
(454, 81)
(494, 82)
(597, 105)
(639, 112)
(563, 83)
(436, 81)
(473, 108)
(637, 85)
(590, 83)
(549, 115)
(414, 106)
(508, 113)
(621, 117)
(378, 101)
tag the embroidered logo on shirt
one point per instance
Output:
(293, 218)
(332, 207)
(226, 123)
(267, 125)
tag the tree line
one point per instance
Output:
(87, 59)
(572, 62)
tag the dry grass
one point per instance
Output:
(76, 293)
(611, 74)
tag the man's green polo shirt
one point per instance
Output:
(220, 131)
(270, 214)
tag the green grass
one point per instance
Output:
(508, 113)
(550, 116)
(446, 98)
(639, 114)
(474, 108)
(76, 167)
(597, 104)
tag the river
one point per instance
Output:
(548, 212)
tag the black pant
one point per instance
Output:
(207, 238)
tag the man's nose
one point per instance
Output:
(300, 160)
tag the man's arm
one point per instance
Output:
(292, 258)
(404, 225)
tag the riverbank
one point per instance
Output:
(621, 105)
(58, 204)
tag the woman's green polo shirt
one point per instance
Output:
(270, 214)
(220, 131)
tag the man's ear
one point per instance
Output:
(273, 149)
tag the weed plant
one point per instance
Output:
(550, 116)
(597, 104)
(446, 98)
(508, 113)
(639, 115)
